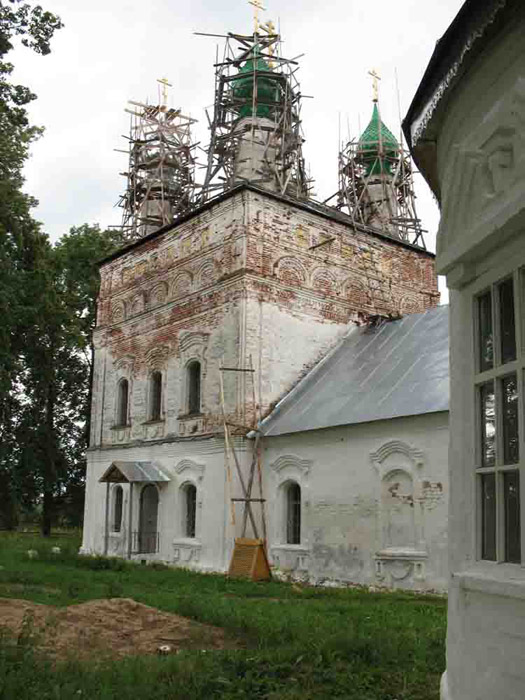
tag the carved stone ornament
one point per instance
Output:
(193, 343)
(396, 447)
(288, 467)
(157, 357)
(486, 170)
(189, 469)
(124, 365)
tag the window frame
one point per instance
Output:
(153, 416)
(119, 423)
(292, 484)
(496, 375)
(118, 491)
(189, 390)
(187, 487)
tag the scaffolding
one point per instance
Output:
(379, 193)
(160, 183)
(249, 556)
(256, 133)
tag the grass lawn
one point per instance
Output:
(296, 642)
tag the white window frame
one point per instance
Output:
(495, 375)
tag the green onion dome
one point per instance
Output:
(267, 88)
(378, 146)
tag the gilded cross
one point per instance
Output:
(375, 78)
(257, 5)
(269, 27)
(165, 84)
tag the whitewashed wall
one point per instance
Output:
(354, 529)
(481, 162)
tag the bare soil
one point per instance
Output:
(107, 628)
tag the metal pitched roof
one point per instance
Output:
(398, 369)
(138, 471)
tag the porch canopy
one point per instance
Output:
(134, 472)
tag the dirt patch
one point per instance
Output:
(108, 628)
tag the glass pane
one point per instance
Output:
(156, 395)
(511, 494)
(194, 379)
(191, 510)
(488, 517)
(506, 321)
(486, 343)
(293, 524)
(509, 391)
(488, 425)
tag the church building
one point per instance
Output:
(267, 366)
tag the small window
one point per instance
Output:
(122, 402)
(293, 514)
(155, 396)
(118, 496)
(488, 424)
(485, 341)
(190, 510)
(194, 387)
(507, 326)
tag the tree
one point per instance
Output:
(20, 237)
(48, 307)
(53, 427)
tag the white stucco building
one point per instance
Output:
(350, 495)
(258, 304)
(466, 131)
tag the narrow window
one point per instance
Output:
(122, 404)
(511, 497)
(488, 517)
(509, 397)
(488, 425)
(506, 321)
(191, 509)
(293, 514)
(117, 508)
(194, 387)
(155, 395)
(486, 343)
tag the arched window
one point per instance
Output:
(190, 510)
(194, 387)
(293, 513)
(122, 402)
(155, 395)
(118, 495)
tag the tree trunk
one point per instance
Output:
(49, 472)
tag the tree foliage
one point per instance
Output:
(21, 241)
(47, 311)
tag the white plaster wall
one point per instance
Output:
(198, 461)
(283, 344)
(339, 471)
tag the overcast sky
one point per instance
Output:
(110, 51)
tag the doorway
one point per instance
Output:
(148, 539)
